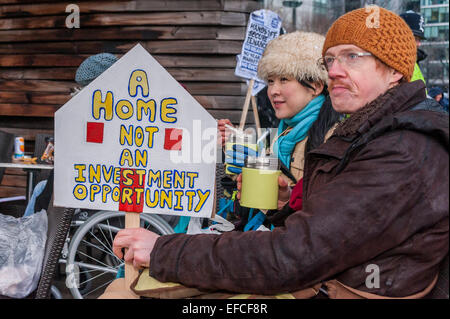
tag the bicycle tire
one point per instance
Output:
(158, 224)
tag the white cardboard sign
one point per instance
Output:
(263, 26)
(135, 140)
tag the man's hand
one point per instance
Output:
(138, 243)
(222, 136)
(284, 191)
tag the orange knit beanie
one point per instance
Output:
(378, 31)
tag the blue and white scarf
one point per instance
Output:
(300, 123)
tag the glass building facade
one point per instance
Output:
(435, 13)
(436, 45)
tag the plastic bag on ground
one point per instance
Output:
(22, 248)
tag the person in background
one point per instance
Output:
(296, 89)
(437, 94)
(415, 22)
(88, 71)
(375, 194)
(92, 67)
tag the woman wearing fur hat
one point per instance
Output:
(296, 88)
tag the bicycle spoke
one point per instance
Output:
(92, 270)
(92, 267)
(101, 286)
(109, 229)
(104, 236)
(148, 226)
(110, 251)
(94, 259)
(92, 278)
(98, 247)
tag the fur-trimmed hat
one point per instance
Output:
(294, 54)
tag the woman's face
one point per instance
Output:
(288, 96)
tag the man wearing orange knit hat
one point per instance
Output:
(374, 222)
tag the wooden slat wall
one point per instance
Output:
(195, 40)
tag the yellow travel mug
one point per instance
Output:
(260, 183)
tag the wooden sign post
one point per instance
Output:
(132, 220)
(246, 105)
(249, 97)
(256, 116)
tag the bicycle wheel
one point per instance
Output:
(91, 263)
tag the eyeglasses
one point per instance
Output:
(349, 59)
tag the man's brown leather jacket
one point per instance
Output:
(376, 197)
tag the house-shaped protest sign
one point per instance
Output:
(135, 140)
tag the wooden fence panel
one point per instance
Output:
(129, 19)
(154, 47)
(125, 33)
(74, 60)
(29, 7)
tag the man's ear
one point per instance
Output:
(395, 77)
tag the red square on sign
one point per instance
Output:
(94, 132)
(172, 139)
